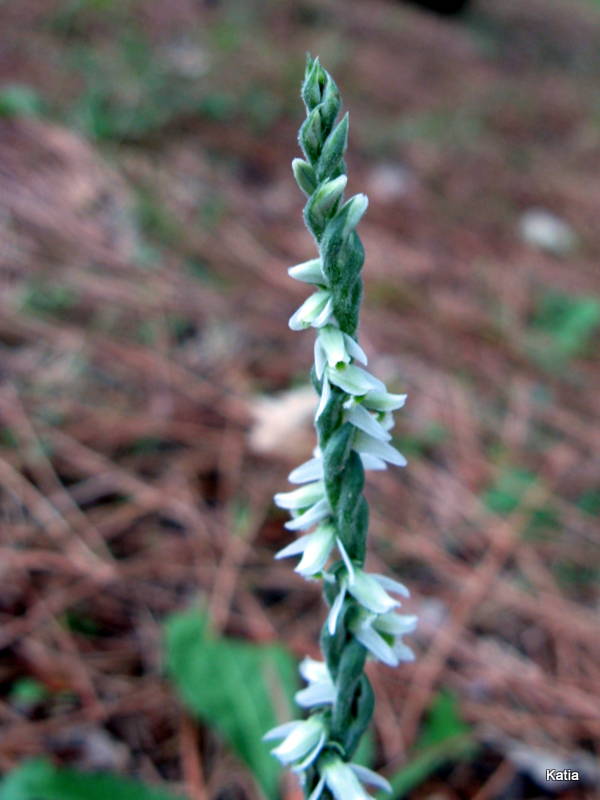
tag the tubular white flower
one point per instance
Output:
(310, 517)
(303, 497)
(315, 548)
(311, 470)
(343, 781)
(315, 311)
(302, 739)
(353, 380)
(364, 444)
(384, 401)
(370, 593)
(333, 344)
(360, 418)
(382, 635)
(320, 689)
(309, 272)
(356, 206)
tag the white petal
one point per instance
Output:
(311, 756)
(310, 517)
(335, 611)
(325, 395)
(372, 778)
(387, 423)
(311, 470)
(325, 316)
(316, 694)
(343, 783)
(300, 498)
(281, 730)
(370, 594)
(346, 560)
(355, 350)
(313, 670)
(391, 585)
(403, 651)
(320, 358)
(372, 462)
(357, 206)
(334, 346)
(308, 271)
(396, 624)
(376, 645)
(353, 380)
(295, 548)
(360, 418)
(384, 401)
(300, 741)
(363, 443)
(310, 310)
(316, 551)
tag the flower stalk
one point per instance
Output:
(328, 509)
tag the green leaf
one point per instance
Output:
(238, 688)
(38, 779)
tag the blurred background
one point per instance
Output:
(152, 398)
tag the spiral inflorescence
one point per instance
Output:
(353, 420)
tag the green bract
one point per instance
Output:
(353, 419)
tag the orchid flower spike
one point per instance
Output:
(354, 422)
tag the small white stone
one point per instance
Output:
(546, 231)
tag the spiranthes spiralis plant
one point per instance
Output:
(353, 420)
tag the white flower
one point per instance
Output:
(314, 311)
(309, 272)
(368, 445)
(310, 517)
(311, 470)
(334, 348)
(320, 690)
(301, 498)
(369, 589)
(315, 548)
(358, 415)
(384, 401)
(382, 635)
(308, 505)
(343, 781)
(302, 739)
(354, 380)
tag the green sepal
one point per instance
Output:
(364, 703)
(311, 136)
(304, 175)
(323, 204)
(351, 511)
(331, 418)
(350, 669)
(335, 456)
(333, 150)
(314, 78)
(330, 104)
